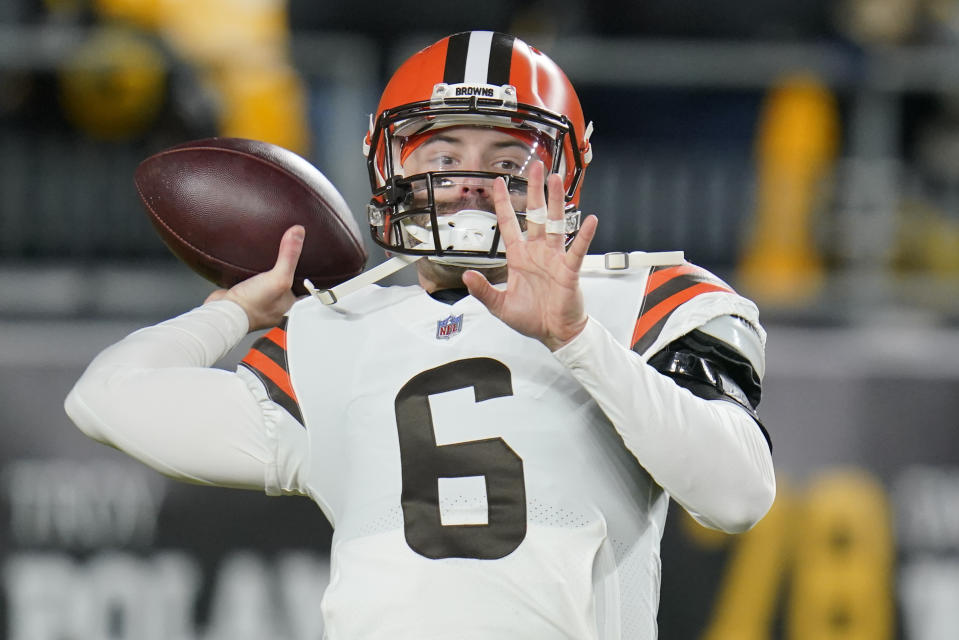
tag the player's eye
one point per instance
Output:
(444, 161)
(508, 166)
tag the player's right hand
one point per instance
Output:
(267, 296)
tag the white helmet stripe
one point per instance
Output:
(477, 57)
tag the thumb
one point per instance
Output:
(288, 255)
(480, 288)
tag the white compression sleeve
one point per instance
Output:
(709, 455)
(153, 396)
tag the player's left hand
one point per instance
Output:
(542, 299)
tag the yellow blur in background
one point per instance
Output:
(113, 87)
(796, 148)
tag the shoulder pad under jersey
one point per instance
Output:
(678, 299)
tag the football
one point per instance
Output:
(221, 206)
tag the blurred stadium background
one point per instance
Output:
(808, 152)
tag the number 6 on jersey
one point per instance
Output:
(424, 463)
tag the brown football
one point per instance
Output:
(222, 204)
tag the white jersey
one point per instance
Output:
(479, 486)
(463, 466)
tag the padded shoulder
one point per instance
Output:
(674, 291)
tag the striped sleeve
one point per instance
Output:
(268, 361)
(666, 290)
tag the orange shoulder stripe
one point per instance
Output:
(271, 370)
(654, 315)
(277, 335)
(661, 276)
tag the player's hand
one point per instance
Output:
(542, 299)
(267, 296)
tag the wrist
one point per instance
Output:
(222, 295)
(554, 343)
(239, 320)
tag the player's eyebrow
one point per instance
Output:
(441, 137)
(514, 142)
(453, 139)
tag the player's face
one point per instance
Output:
(469, 148)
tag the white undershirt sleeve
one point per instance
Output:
(153, 396)
(709, 455)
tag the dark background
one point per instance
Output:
(860, 298)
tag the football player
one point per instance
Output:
(495, 448)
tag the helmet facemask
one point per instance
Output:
(434, 163)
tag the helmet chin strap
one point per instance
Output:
(368, 277)
(475, 230)
(610, 263)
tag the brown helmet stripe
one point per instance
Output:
(500, 57)
(456, 50)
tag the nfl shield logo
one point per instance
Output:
(446, 329)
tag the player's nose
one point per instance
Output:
(473, 189)
(475, 186)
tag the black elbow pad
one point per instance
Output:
(712, 370)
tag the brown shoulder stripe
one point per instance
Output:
(267, 360)
(667, 289)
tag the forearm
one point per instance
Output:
(153, 396)
(197, 338)
(709, 455)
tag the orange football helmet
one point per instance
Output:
(481, 80)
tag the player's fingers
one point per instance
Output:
(505, 215)
(535, 202)
(480, 288)
(556, 222)
(291, 245)
(580, 245)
